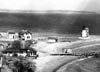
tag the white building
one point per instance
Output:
(3, 34)
(20, 52)
(85, 32)
(52, 40)
(12, 35)
(25, 35)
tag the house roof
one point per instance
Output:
(53, 38)
(11, 32)
(24, 32)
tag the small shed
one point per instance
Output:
(52, 40)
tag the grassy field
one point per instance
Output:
(88, 49)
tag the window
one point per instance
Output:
(28, 36)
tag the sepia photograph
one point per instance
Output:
(49, 35)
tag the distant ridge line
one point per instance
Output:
(47, 11)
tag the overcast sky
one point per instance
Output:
(80, 5)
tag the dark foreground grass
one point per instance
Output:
(88, 65)
(17, 64)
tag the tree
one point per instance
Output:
(20, 64)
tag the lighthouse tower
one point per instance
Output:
(85, 32)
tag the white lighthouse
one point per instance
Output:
(85, 32)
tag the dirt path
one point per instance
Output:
(55, 63)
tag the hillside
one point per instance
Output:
(61, 22)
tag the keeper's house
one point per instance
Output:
(25, 35)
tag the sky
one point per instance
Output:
(77, 5)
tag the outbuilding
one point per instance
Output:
(12, 35)
(52, 40)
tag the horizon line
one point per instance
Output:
(48, 11)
